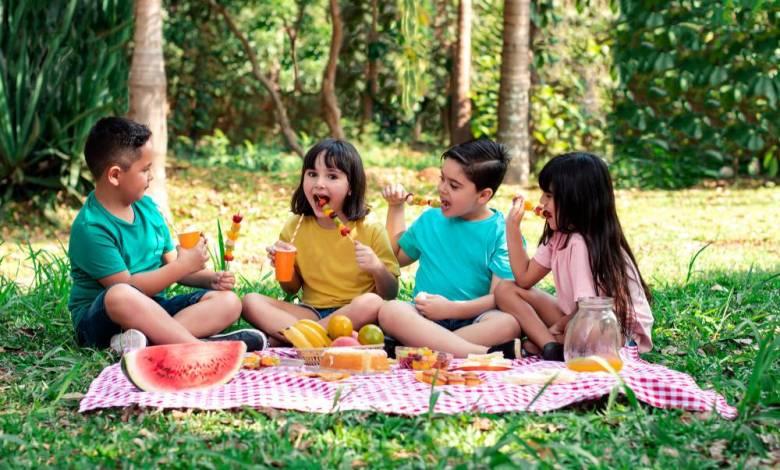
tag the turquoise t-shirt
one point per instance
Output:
(457, 257)
(102, 244)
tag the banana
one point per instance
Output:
(311, 334)
(319, 329)
(296, 338)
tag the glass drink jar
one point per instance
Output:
(593, 333)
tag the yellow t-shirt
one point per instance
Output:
(326, 260)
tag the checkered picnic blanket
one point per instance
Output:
(398, 392)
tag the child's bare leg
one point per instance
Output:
(272, 315)
(401, 320)
(494, 327)
(130, 308)
(215, 311)
(363, 309)
(521, 304)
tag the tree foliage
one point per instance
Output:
(698, 93)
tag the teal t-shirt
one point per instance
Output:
(457, 257)
(102, 244)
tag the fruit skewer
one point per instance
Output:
(529, 206)
(232, 236)
(329, 212)
(415, 200)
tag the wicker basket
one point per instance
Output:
(312, 357)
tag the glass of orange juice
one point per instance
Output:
(189, 237)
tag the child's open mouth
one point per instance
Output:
(445, 205)
(320, 200)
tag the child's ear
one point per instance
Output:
(485, 195)
(112, 174)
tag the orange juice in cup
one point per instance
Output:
(189, 237)
(284, 260)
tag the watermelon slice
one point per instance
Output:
(188, 366)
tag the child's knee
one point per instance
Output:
(390, 313)
(228, 302)
(504, 289)
(121, 298)
(253, 302)
(368, 302)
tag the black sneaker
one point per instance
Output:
(552, 351)
(390, 345)
(510, 349)
(255, 340)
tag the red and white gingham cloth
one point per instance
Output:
(398, 392)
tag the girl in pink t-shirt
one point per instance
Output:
(584, 247)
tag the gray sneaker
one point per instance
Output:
(127, 341)
(255, 340)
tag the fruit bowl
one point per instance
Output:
(421, 358)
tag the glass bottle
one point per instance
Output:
(593, 331)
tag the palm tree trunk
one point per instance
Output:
(330, 105)
(147, 84)
(514, 102)
(461, 103)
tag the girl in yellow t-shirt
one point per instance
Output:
(336, 273)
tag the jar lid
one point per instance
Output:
(595, 302)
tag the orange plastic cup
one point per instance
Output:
(284, 260)
(189, 239)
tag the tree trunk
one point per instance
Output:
(330, 105)
(461, 103)
(148, 100)
(270, 86)
(513, 101)
(372, 69)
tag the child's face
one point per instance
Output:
(458, 194)
(322, 182)
(548, 209)
(134, 181)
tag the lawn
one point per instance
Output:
(711, 256)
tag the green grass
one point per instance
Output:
(716, 319)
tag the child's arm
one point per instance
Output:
(153, 282)
(206, 278)
(386, 283)
(395, 195)
(436, 307)
(527, 272)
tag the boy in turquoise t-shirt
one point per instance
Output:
(463, 255)
(122, 258)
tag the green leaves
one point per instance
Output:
(58, 75)
(707, 74)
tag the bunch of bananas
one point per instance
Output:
(307, 334)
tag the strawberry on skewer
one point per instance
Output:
(330, 213)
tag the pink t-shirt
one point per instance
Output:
(573, 278)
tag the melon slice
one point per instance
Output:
(188, 366)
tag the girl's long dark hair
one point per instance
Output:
(585, 204)
(342, 155)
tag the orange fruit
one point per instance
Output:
(339, 325)
(371, 334)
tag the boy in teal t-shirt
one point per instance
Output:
(462, 254)
(122, 258)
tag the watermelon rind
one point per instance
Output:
(187, 366)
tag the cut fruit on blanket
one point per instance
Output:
(187, 366)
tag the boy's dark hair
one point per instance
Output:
(484, 162)
(585, 203)
(114, 141)
(342, 155)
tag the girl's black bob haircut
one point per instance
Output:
(339, 154)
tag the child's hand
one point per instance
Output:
(432, 306)
(223, 280)
(366, 259)
(516, 212)
(194, 258)
(279, 245)
(394, 194)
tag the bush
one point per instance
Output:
(698, 90)
(62, 66)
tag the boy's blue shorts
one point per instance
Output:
(95, 328)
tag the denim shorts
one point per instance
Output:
(453, 324)
(320, 312)
(95, 328)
